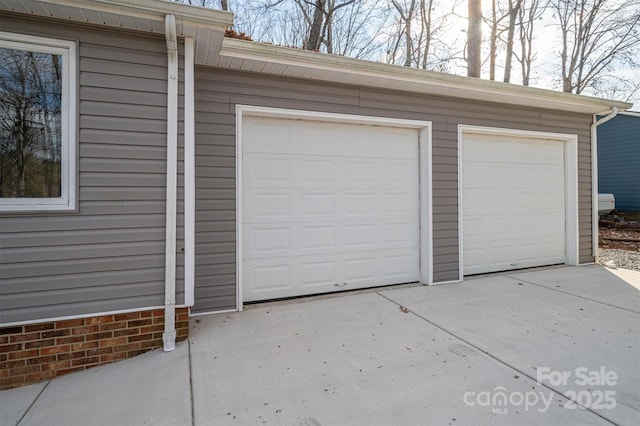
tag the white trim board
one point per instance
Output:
(425, 167)
(571, 185)
(90, 315)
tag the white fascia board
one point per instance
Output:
(415, 80)
(153, 10)
(188, 17)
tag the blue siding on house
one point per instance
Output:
(619, 160)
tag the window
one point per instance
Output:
(37, 123)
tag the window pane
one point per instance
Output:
(30, 124)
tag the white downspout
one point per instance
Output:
(189, 174)
(169, 335)
(594, 177)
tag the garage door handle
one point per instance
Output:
(340, 284)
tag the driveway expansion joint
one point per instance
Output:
(490, 355)
(572, 294)
(32, 403)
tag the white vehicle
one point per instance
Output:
(606, 203)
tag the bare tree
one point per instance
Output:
(474, 38)
(597, 35)
(529, 14)
(407, 13)
(513, 12)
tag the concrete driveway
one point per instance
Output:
(509, 349)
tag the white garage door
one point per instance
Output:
(513, 202)
(327, 207)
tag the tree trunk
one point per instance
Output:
(474, 38)
(513, 15)
(315, 40)
(493, 41)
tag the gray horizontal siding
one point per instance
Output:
(219, 91)
(619, 161)
(110, 254)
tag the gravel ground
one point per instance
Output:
(620, 258)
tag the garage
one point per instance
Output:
(515, 198)
(327, 205)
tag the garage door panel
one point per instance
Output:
(341, 211)
(316, 205)
(360, 205)
(266, 206)
(358, 173)
(513, 202)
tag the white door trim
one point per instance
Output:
(425, 167)
(570, 176)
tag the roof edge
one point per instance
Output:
(192, 15)
(478, 88)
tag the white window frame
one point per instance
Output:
(68, 188)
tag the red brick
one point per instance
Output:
(11, 381)
(182, 317)
(70, 323)
(151, 344)
(38, 327)
(58, 365)
(151, 328)
(100, 351)
(84, 345)
(113, 342)
(84, 330)
(158, 320)
(55, 350)
(146, 314)
(126, 332)
(27, 369)
(127, 347)
(138, 323)
(79, 354)
(73, 355)
(39, 344)
(140, 338)
(24, 337)
(4, 340)
(11, 330)
(69, 370)
(11, 348)
(3, 357)
(55, 333)
(131, 354)
(127, 316)
(113, 357)
(113, 325)
(37, 377)
(86, 361)
(4, 373)
(13, 364)
(99, 336)
(24, 354)
(98, 320)
(69, 339)
(41, 360)
(157, 335)
(158, 312)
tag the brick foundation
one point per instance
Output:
(37, 352)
